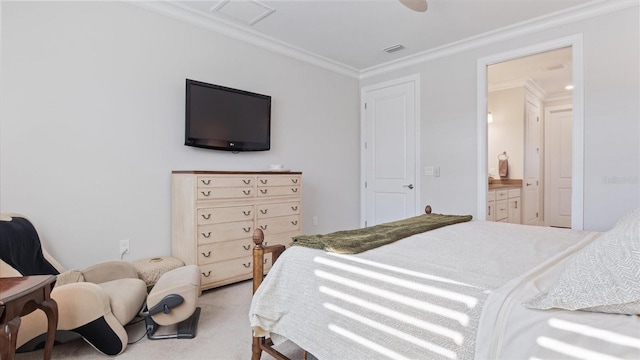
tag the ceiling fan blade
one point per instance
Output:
(415, 5)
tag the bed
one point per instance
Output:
(475, 289)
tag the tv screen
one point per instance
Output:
(222, 118)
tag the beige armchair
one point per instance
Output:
(95, 302)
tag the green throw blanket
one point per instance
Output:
(359, 240)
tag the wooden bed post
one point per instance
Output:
(259, 342)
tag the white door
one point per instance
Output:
(558, 155)
(389, 153)
(531, 201)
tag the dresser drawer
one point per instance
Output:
(224, 231)
(265, 191)
(279, 224)
(502, 212)
(279, 209)
(225, 269)
(230, 269)
(491, 195)
(278, 180)
(225, 250)
(225, 181)
(211, 193)
(224, 214)
(502, 195)
(284, 238)
(513, 193)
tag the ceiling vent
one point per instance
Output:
(248, 12)
(393, 48)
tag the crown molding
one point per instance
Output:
(228, 28)
(530, 85)
(564, 17)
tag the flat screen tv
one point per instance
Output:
(222, 118)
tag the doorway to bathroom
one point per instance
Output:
(530, 135)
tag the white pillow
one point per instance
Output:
(602, 277)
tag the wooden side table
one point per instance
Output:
(20, 296)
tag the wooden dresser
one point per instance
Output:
(214, 214)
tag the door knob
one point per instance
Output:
(410, 186)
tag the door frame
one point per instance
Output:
(577, 167)
(415, 79)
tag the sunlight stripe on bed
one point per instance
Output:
(572, 350)
(455, 336)
(399, 269)
(367, 343)
(469, 301)
(462, 318)
(590, 331)
(391, 331)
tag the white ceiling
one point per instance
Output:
(352, 34)
(550, 72)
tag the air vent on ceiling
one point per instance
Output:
(393, 48)
(249, 12)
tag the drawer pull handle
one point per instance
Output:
(207, 274)
(206, 193)
(264, 212)
(206, 217)
(263, 227)
(294, 208)
(294, 222)
(246, 229)
(295, 181)
(246, 247)
(206, 182)
(246, 213)
(265, 261)
(246, 182)
(207, 254)
(246, 192)
(489, 207)
(264, 191)
(295, 190)
(264, 181)
(516, 204)
(207, 235)
(247, 265)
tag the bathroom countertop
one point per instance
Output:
(505, 184)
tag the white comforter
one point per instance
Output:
(418, 298)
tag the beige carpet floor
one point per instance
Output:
(223, 334)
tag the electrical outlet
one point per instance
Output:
(428, 170)
(124, 247)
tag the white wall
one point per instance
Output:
(506, 133)
(92, 124)
(611, 113)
